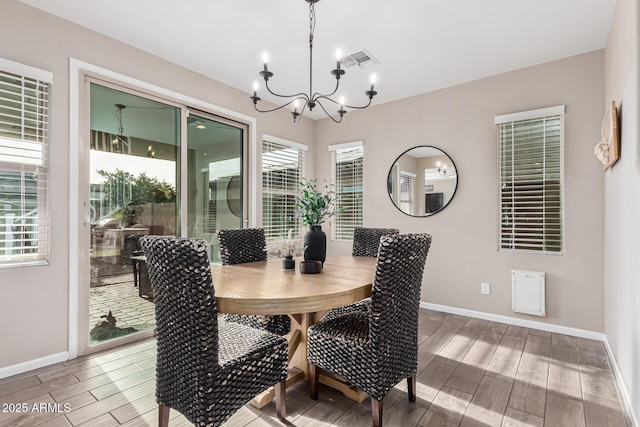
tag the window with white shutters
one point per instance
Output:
(24, 205)
(530, 147)
(347, 177)
(407, 191)
(282, 169)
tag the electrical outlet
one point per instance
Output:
(485, 288)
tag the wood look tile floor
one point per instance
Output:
(471, 372)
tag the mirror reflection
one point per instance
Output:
(422, 181)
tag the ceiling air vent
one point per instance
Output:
(362, 59)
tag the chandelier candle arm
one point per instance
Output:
(319, 95)
(266, 74)
(295, 110)
(279, 107)
(312, 99)
(297, 95)
(256, 98)
(341, 111)
(370, 94)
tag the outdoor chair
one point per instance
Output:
(376, 349)
(205, 369)
(244, 245)
(131, 248)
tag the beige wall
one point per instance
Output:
(34, 301)
(460, 121)
(621, 203)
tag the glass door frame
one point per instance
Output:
(81, 76)
(245, 162)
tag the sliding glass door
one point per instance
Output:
(133, 184)
(216, 178)
(155, 168)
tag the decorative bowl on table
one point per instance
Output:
(310, 267)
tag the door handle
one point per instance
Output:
(87, 213)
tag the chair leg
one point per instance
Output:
(314, 379)
(163, 415)
(281, 399)
(376, 410)
(411, 390)
(135, 273)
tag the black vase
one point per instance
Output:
(288, 263)
(315, 244)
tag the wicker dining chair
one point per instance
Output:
(366, 242)
(205, 369)
(239, 246)
(376, 349)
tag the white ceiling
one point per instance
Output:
(422, 45)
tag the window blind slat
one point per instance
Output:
(407, 191)
(530, 162)
(24, 213)
(348, 186)
(282, 168)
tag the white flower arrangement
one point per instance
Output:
(286, 247)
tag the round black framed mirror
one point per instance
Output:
(422, 181)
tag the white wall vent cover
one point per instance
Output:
(362, 59)
(527, 292)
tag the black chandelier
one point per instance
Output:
(118, 141)
(442, 170)
(313, 98)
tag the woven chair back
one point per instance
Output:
(186, 318)
(366, 241)
(395, 298)
(242, 245)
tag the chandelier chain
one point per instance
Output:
(312, 27)
(119, 117)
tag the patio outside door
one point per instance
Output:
(155, 168)
(133, 183)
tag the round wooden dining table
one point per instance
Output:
(264, 287)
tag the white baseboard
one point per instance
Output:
(625, 397)
(582, 333)
(9, 371)
(622, 387)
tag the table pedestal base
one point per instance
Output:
(264, 398)
(351, 392)
(299, 367)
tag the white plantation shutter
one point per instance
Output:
(24, 161)
(530, 146)
(282, 168)
(407, 191)
(347, 177)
